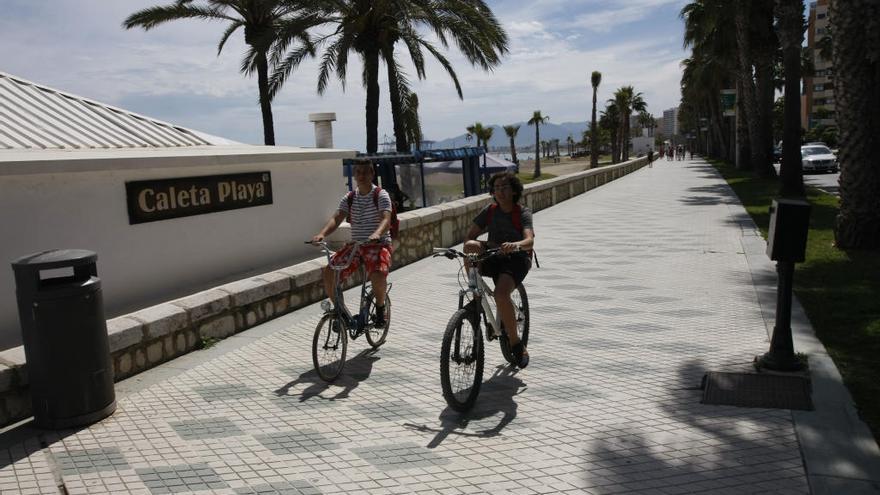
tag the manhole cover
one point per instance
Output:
(757, 390)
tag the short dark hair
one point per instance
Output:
(360, 161)
(512, 179)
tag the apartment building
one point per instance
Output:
(818, 94)
(670, 122)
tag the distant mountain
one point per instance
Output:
(525, 137)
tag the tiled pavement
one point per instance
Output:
(645, 284)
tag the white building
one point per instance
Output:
(168, 210)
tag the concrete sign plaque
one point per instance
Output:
(162, 199)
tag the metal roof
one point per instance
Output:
(38, 117)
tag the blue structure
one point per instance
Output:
(474, 175)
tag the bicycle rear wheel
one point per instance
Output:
(461, 361)
(521, 310)
(376, 335)
(329, 347)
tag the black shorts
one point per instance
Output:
(517, 265)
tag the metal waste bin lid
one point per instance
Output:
(55, 258)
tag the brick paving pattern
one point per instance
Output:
(643, 287)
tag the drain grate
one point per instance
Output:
(757, 390)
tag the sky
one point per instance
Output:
(174, 73)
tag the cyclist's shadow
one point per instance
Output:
(356, 370)
(496, 397)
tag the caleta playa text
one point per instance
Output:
(150, 200)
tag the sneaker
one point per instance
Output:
(522, 359)
(380, 317)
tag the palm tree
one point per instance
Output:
(755, 48)
(791, 35)
(259, 20)
(646, 120)
(411, 122)
(711, 66)
(627, 100)
(476, 131)
(595, 80)
(610, 121)
(857, 98)
(536, 120)
(373, 30)
(511, 131)
(569, 143)
(486, 136)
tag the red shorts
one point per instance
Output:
(376, 258)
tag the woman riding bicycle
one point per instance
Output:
(510, 228)
(369, 212)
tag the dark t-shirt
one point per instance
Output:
(502, 229)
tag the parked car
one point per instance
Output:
(818, 158)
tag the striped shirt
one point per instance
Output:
(365, 217)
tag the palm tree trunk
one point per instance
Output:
(371, 71)
(626, 137)
(265, 102)
(857, 101)
(513, 153)
(615, 146)
(746, 80)
(742, 132)
(765, 51)
(791, 37)
(396, 102)
(594, 136)
(537, 150)
(720, 136)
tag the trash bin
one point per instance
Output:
(65, 338)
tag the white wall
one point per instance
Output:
(642, 144)
(54, 199)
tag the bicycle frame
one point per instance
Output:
(480, 292)
(354, 324)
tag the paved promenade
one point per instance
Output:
(645, 284)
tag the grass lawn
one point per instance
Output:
(839, 289)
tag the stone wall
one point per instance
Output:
(149, 337)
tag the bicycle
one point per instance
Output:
(337, 324)
(462, 355)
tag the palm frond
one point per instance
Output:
(153, 16)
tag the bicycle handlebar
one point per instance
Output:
(454, 253)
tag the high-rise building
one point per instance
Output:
(670, 122)
(818, 95)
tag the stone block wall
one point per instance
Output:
(154, 335)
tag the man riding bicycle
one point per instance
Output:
(510, 228)
(368, 210)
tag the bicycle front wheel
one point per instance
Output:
(521, 311)
(376, 335)
(329, 347)
(461, 361)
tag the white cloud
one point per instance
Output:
(173, 72)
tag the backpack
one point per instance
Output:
(516, 218)
(394, 225)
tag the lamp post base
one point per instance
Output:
(777, 362)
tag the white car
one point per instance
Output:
(818, 158)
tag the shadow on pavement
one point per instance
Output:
(712, 449)
(356, 370)
(496, 397)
